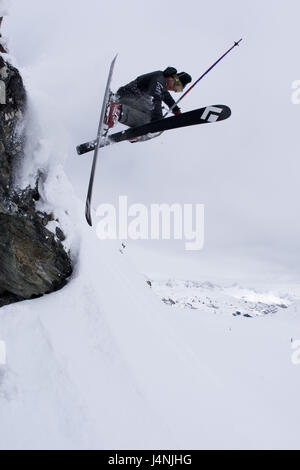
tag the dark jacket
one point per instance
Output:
(151, 84)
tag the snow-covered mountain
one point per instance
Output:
(105, 364)
(124, 356)
(226, 299)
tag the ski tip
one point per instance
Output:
(89, 220)
(88, 214)
(79, 150)
(217, 112)
(226, 111)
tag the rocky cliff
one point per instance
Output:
(33, 260)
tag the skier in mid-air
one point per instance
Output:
(140, 101)
(139, 106)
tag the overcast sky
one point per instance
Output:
(245, 170)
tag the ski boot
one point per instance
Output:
(113, 113)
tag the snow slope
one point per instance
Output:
(104, 364)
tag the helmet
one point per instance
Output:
(184, 77)
(170, 71)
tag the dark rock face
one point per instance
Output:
(12, 108)
(32, 259)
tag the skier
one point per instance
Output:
(140, 101)
(138, 105)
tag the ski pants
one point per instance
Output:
(136, 107)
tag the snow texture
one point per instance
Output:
(105, 364)
(109, 362)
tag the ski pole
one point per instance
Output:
(203, 75)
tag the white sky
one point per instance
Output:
(245, 170)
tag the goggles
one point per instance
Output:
(178, 87)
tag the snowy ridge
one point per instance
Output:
(232, 300)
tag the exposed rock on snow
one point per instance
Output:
(32, 258)
(205, 296)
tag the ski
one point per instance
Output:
(97, 142)
(205, 115)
